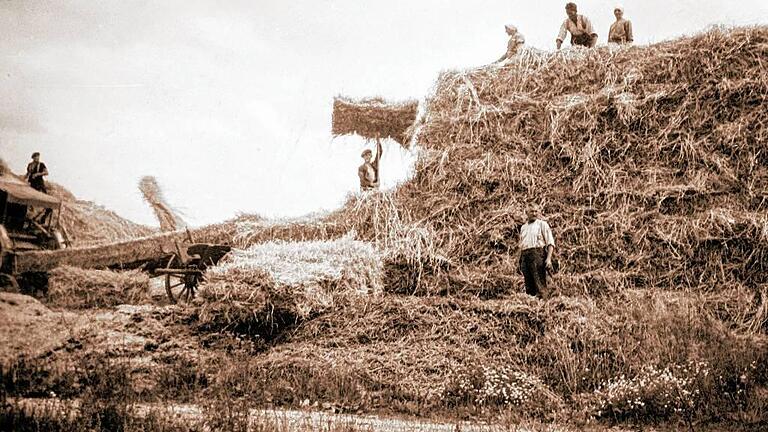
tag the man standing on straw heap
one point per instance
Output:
(580, 28)
(368, 172)
(621, 30)
(36, 170)
(537, 244)
(516, 41)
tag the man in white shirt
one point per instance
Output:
(579, 27)
(537, 244)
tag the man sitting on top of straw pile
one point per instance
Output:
(537, 244)
(368, 172)
(516, 41)
(579, 26)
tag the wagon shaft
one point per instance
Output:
(128, 254)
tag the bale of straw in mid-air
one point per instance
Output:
(275, 284)
(73, 287)
(169, 220)
(373, 118)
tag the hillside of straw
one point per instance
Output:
(650, 164)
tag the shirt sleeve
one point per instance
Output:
(587, 26)
(563, 31)
(549, 239)
(628, 31)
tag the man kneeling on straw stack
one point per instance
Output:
(578, 26)
(537, 244)
(368, 172)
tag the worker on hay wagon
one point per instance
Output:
(537, 247)
(621, 30)
(579, 27)
(36, 170)
(368, 172)
(516, 42)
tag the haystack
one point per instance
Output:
(373, 118)
(169, 220)
(277, 284)
(75, 288)
(649, 162)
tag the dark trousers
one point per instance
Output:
(533, 266)
(584, 40)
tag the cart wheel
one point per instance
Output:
(8, 283)
(180, 288)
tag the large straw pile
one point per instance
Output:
(73, 287)
(276, 284)
(650, 163)
(169, 220)
(373, 118)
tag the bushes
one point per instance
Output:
(654, 393)
(502, 386)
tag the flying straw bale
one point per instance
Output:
(373, 118)
(276, 284)
(169, 220)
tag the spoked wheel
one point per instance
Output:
(8, 283)
(180, 287)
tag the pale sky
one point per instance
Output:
(230, 106)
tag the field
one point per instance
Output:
(650, 164)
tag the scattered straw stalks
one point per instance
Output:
(76, 288)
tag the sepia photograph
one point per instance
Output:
(383, 216)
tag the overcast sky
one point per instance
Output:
(230, 106)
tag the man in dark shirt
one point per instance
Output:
(35, 172)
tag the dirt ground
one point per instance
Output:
(147, 337)
(142, 337)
